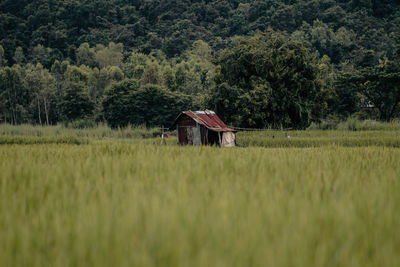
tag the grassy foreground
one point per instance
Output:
(123, 204)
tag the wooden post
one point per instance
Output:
(163, 142)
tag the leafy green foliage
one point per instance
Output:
(76, 103)
(3, 60)
(43, 94)
(381, 87)
(14, 97)
(151, 105)
(377, 86)
(335, 28)
(267, 80)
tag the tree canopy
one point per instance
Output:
(152, 105)
(274, 80)
(339, 29)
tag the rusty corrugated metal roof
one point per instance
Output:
(208, 119)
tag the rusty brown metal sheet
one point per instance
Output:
(207, 119)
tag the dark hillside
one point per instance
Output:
(341, 29)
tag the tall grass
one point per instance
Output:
(318, 138)
(28, 134)
(29, 140)
(121, 204)
(354, 124)
(99, 131)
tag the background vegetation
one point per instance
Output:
(258, 63)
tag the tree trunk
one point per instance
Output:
(15, 105)
(393, 109)
(38, 104)
(394, 106)
(11, 107)
(45, 110)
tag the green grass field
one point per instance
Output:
(86, 201)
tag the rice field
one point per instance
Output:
(318, 138)
(132, 202)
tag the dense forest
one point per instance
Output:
(257, 63)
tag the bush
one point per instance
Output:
(81, 124)
(351, 124)
(127, 103)
(80, 128)
(29, 140)
(324, 125)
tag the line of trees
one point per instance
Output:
(268, 80)
(142, 89)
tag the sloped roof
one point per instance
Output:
(208, 119)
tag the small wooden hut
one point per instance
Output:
(203, 128)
